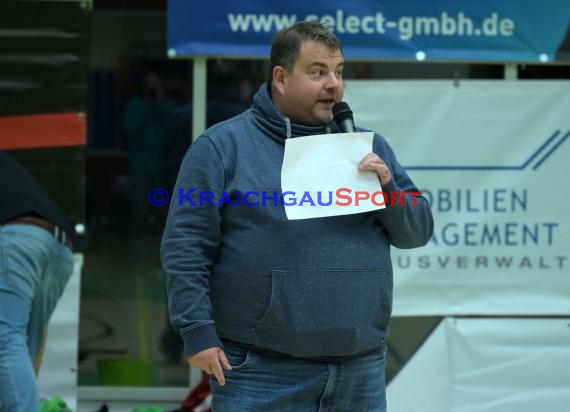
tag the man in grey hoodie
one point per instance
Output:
(286, 315)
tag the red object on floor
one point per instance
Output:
(198, 395)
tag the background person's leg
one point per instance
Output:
(54, 278)
(18, 388)
(21, 261)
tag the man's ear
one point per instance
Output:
(279, 78)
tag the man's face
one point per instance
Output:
(307, 93)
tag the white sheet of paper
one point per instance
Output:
(316, 167)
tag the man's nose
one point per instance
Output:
(333, 81)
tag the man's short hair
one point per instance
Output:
(287, 44)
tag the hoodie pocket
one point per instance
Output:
(319, 313)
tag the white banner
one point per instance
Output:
(492, 157)
(491, 365)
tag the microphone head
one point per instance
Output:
(341, 112)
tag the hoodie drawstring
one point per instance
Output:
(288, 126)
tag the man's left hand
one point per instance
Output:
(374, 164)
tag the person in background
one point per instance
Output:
(225, 99)
(286, 314)
(36, 262)
(144, 125)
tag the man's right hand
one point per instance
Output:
(211, 361)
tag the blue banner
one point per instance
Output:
(444, 30)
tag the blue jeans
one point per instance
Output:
(264, 383)
(34, 269)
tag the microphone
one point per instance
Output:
(343, 117)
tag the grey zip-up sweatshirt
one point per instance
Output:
(312, 288)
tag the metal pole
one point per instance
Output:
(511, 72)
(199, 80)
